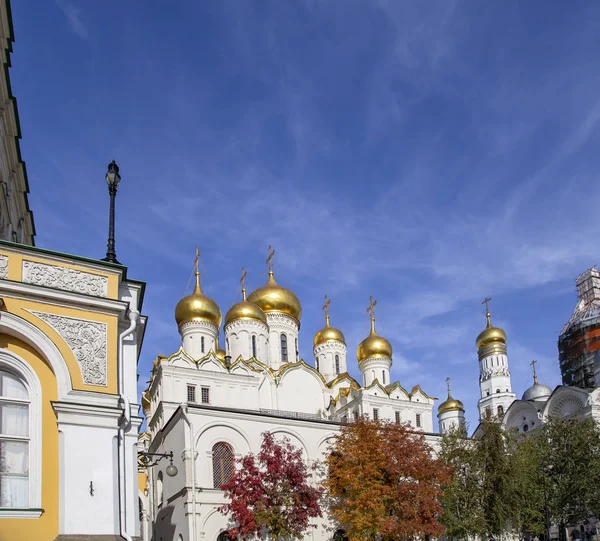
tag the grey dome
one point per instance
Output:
(536, 392)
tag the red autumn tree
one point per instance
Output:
(385, 483)
(272, 493)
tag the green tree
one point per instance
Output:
(570, 461)
(463, 510)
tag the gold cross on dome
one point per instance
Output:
(197, 259)
(448, 384)
(243, 278)
(326, 306)
(269, 260)
(486, 301)
(371, 308)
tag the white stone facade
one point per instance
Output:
(197, 402)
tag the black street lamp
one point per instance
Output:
(112, 179)
(148, 460)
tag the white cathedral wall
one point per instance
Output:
(192, 335)
(376, 368)
(325, 354)
(279, 324)
(301, 391)
(238, 338)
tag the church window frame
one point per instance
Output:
(418, 420)
(202, 344)
(253, 345)
(191, 393)
(397, 417)
(297, 352)
(500, 410)
(205, 395)
(337, 364)
(223, 464)
(317, 363)
(284, 347)
(18, 369)
(383, 377)
(375, 414)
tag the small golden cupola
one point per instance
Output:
(197, 307)
(329, 348)
(274, 298)
(246, 329)
(490, 335)
(450, 404)
(198, 318)
(373, 346)
(328, 332)
(451, 413)
(245, 309)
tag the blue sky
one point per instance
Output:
(426, 153)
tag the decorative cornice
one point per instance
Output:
(245, 323)
(64, 278)
(199, 323)
(330, 345)
(3, 267)
(87, 340)
(280, 320)
(489, 373)
(492, 349)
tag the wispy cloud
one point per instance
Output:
(73, 15)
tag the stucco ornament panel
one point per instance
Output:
(64, 278)
(3, 267)
(88, 342)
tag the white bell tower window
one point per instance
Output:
(337, 364)
(284, 348)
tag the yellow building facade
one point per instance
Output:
(70, 334)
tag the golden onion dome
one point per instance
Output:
(197, 307)
(373, 346)
(451, 404)
(274, 298)
(490, 335)
(245, 310)
(328, 332)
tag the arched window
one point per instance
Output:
(497, 390)
(383, 376)
(14, 442)
(254, 346)
(317, 361)
(284, 351)
(159, 489)
(222, 459)
(202, 344)
(297, 352)
(500, 411)
(337, 364)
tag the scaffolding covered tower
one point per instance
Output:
(580, 338)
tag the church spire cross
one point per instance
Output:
(243, 283)
(197, 259)
(448, 385)
(269, 260)
(535, 380)
(488, 316)
(371, 311)
(326, 310)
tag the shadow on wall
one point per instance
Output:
(164, 529)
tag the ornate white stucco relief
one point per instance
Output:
(64, 278)
(3, 267)
(88, 342)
